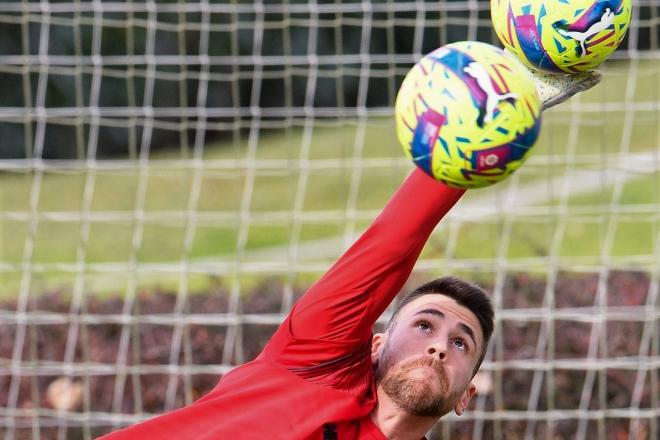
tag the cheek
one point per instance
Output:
(397, 349)
(460, 373)
(405, 345)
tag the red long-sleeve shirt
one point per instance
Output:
(314, 379)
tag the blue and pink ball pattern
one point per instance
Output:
(468, 114)
(559, 36)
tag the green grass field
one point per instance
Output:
(330, 147)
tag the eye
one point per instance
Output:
(459, 343)
(424, 326)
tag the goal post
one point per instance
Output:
(174, 174)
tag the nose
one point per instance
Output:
(438, 349)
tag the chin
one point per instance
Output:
(425, 388)
(420, 398)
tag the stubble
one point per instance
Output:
(414, 396)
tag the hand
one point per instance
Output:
(556, 88)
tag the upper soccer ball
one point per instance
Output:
(468, 114)
(561, 35)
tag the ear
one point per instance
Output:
(463, 402)
(377, 343)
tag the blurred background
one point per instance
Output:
(174, 174)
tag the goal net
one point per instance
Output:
(174, 174)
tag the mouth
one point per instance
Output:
(425, 363)
(428, 371)
(427, 368)
(424, 373)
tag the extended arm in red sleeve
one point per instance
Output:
(344, 304)
(325, 337)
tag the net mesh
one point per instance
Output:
(176, 173)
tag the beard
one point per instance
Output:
(414, 396)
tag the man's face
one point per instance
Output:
(424, 362)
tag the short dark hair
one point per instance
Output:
(465, 293)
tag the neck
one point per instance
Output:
(396, 424)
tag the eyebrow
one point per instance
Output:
(462, 326)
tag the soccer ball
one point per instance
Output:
(467, 114)
(560, 36)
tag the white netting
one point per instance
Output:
(175, 173)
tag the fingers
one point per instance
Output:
(554, 89)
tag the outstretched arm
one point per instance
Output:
(339, 310)
(341, 307)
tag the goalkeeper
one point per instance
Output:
(323, 375)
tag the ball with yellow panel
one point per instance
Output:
(468, 114)
(559, 36)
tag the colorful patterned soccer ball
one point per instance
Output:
(468, 114)
(561, 35)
